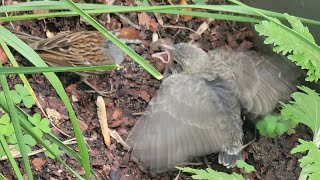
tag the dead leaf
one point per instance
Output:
(117, 113)
(83, 125)
(159, 18)
(203, 27)
(185, 17)
(144, 95)
(155, 37)
(73, 90)
(118, 138)
(116, 123)
(37, 163)
(3, 56)
(54, 115)
(144, 20)
(102, 116)
(128, 33)
(153, 26)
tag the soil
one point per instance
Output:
(134, 88)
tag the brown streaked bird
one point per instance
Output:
(197, 111)
(85, 48)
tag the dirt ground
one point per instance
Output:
(134, 89)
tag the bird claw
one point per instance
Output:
(103, 93)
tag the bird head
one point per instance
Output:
(182, 56)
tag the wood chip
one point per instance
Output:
(144, 19)
(102, 116)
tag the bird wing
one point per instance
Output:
(188, 117)
(262, 81)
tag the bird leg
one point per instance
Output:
(102, 93)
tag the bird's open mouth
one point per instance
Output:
(163, 56)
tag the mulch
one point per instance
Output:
(134, 89)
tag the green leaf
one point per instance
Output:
(297, 41)
(305, 109)
(37, 131)
(29, 140)
(44, 125)
(200, 2)
(28, 149)
(142, 3)
(247, 167)
(6, 126)
(54, 148)
(2, 153)
(28, 101)
(22, 90)
(309, 163)
(25, 96)
(274, 125)
(16, 98)
(35, 119)
(12, 139)
(210, 174)
(303, 146)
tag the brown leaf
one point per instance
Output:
(54, 115)
(144, 20)
(129, 33)
(144, 95)
(103, 120)
(3, 56)
(116, 123)
(185, 17)
(117, 113)
(153, 26)
(37, 163)
(83, 125)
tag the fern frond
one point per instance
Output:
(297, 41)
(210, 174)
(305, 109)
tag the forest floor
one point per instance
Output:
(134, 89)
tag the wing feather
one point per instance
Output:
(188, 117)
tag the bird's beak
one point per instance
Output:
(164, 56)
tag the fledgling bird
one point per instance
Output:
(85, 48)
(197, 111)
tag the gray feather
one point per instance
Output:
(197, 111)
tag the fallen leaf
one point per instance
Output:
(128, 33)
(203, 27)
(54, 115)
(102, 116)
(115, 124)
(159, 18)
(37, 163)
(83, 125)
(144, 95)
(117, 113)
(3, 56)
(119, 139)
(144, 20)
(155, 37)
(185, 17)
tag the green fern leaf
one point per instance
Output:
(297, 41)
(305, 109)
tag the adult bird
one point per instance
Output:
(84, 48)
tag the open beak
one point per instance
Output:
(164, 56)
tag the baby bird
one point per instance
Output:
(197, 111)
